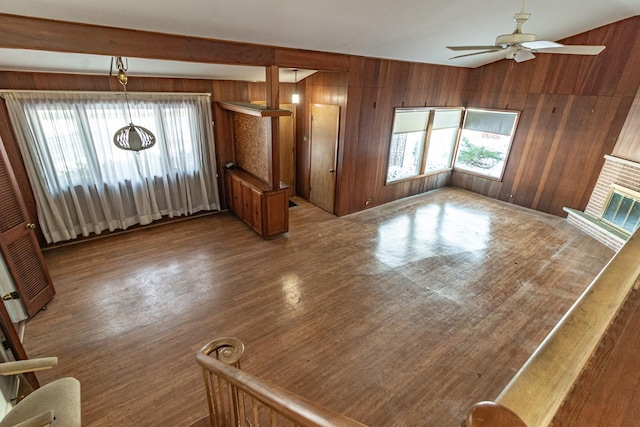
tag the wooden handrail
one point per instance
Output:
(490, 414)
(539, 388)
(228, 388)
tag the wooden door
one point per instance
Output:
(19, 245)
(325, 121)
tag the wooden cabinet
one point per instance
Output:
(264, 209)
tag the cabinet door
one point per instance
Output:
(236, 196)
(247, 202)
(19, 245)
(256, 207)
(228, 188)
(276, 218)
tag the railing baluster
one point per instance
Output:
(231, 414)
(254, 404)
(207, 383)
(227, 386)
(243, 420)
(274, 422)
(214, 385)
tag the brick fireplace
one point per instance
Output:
(621, 172)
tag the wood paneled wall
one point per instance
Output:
(375, 88)
(573, 109)
(628, 144)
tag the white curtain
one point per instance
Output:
(83, 183)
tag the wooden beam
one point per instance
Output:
(22, 32)
(314, 60)
(44, 34)
(273, 102)
(273, 87)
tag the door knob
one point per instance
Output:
(330, 170)
(30, 226)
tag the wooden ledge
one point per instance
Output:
(255, 110)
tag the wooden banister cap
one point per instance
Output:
(491, 414)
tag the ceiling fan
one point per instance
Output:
(521, 46)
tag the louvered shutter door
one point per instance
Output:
(19, 245)
(11, 213)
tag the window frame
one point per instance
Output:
(506, 153)
(426, 143)
(78, 116)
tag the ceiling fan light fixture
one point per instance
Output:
(520, 46)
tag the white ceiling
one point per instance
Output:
(60, 62)
(411, 30)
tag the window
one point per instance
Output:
(443, 137)
(623, 209)
(83, 183)
(422, 141)
(485, 140)
(79, 136)
(407, 143)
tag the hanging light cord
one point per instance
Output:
(123, 79)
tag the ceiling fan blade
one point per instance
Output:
(574, 50)
(523, 55)
(473, 47)
(540, 44)
(477, 53)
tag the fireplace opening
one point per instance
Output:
(622, 209)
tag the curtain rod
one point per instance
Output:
(102, 92)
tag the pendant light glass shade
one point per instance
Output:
(134, 138)
(131, 137)
(295, 97)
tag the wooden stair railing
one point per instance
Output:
(541, 386)
(239, 399)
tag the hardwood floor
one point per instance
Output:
(400, 315)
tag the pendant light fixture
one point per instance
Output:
(295, 97)
(131, 137)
